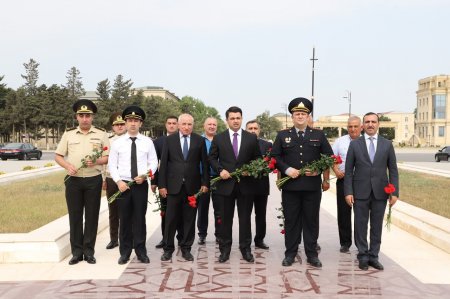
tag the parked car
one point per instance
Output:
(442, 154)
(21, 151)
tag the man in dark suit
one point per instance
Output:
(262, 190)
(230, 150)
(171, 127)
(369, 158)
(179, 177)
(294, 149)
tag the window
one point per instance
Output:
(441, 131)
(439, 106)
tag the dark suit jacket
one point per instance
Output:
(263, 187)
(292, 151)
(221, 156)
(362, 177)
(174, 170)
(158, 143)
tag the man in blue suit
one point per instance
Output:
(369, 160)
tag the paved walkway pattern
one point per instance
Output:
(205, 277)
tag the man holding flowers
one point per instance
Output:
(369, 160)
(86, 149)
(229, 151)
(132, 158)
(293, 150)
(179, 179)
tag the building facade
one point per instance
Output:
(433, 111)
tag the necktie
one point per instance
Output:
(371, 149)
(300, 134)
(235, 144)
(185, 147)
(134, 171)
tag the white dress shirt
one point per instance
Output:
(340, 148)
(239, 137)
(119, 162)
(375, 141)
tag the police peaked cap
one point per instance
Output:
(116, 119)
(133, 112)
(300, 104)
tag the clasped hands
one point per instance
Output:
(295, 173)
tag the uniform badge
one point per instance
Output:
(287, 139)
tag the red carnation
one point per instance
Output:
(337, 159)
(389, 189)
(283, 232)
(162, 214)
(266, 159)
(275, 171)
(105, 148)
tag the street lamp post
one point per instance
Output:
(349, 98)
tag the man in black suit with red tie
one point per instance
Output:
(230, 150)
(180, 177)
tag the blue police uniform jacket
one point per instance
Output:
(292, 151)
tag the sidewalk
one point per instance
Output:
(413, 269)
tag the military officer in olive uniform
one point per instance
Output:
(83, 184)
(293, 149)
(118, 127)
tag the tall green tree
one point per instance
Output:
(104, 90)
(269, 125)
(31, 77)
(74, 84)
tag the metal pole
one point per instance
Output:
(313, 59)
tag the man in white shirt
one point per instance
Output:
(133, 156)
(344, 211)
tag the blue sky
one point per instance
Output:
(254, 54)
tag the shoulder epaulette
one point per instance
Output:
(101, 129)
(70, 129)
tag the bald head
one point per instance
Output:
(210, 127)
(354, 126)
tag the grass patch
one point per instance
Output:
(29, 204)
(425, 191)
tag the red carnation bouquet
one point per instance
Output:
(257, 168)
(389, 189)
(113, 197)
(320, 165)
(96, 153)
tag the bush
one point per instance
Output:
(28, 168)
(49, 164)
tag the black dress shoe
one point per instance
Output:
(201, 241)
(112, 244)
(287, 261)
(224, 257)
(363, 265)
(160, 244)
(75, 259)
(376, 264)
(248, 256)
(314, 261)
(166, 256)
(123, 260)
(344, 249)
(143, 259)
(90, 259)
(261, 245)
(187, 255)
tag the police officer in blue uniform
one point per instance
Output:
(294, 148)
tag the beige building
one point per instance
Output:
(147, 91)
(433, 111)
(156, 91)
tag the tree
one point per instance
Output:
(74, 84)
(269, 125)
(104, 90)
(31, 77)
(200, 112)
(121, 91)
(3, 92)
